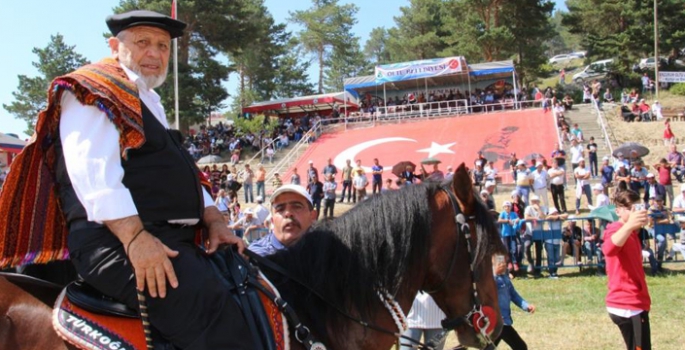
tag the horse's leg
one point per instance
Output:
(25, 322)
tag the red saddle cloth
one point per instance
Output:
(88, 330)
(93, 331)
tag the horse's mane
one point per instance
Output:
(370, 247)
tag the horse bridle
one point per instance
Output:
(476, 318)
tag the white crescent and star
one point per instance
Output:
(351, 153)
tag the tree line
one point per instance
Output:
(241, 37)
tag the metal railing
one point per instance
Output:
(602, 123)
(292, 155)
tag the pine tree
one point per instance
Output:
(56, 59)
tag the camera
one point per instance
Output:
(639, 206)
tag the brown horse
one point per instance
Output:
(429, 237)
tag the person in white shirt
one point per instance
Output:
(360, 182)
(577, 153)
(582, 175)
(656, 110)
(423, 319)
(679, 203)
(260, 211)
(540, 180)
(602, 199)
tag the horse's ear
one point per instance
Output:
(462, 187)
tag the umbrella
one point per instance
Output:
(628, 147)
(605, 212)
(398, 168)
(430, 160)
(209, 159)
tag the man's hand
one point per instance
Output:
(151, 265)
(531, 309)
(637, 219)
(148, 255)
(220, 234)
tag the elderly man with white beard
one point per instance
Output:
(123, 194)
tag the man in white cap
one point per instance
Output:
(292, 214)
(602, 199)
(246, 224)
(260, 211)
(532, 214)
(540, 182)
(653, 189)
(524, 180)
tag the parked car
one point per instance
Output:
(648, 63)
(597, 69)
(560, 59)
(578, 54)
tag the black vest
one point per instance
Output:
(161, 176)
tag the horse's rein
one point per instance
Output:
(276, 268)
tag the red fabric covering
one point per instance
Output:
(626, 275)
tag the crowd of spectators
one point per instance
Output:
(230, 142)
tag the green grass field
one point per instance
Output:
(571, 313)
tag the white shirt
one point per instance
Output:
(425, 313)
(261, 213)
(582, 172)
(679, 201)
(93, 158)
(540, 179)
(602, 200)
(576, 153)
(559, 180)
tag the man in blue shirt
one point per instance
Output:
(377, 171)
(292, 214)
(607, 172)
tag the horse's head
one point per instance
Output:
(460, 277)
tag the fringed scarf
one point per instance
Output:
(33, 229)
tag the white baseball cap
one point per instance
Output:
(290, 188)
(534, 197)
(311, 162)
(247, 211)
(259, 199)
(506, 204)
(598, 187)
(538, 164)
(605, 158)
(621, 165)
(484, 192)
(650, 175)
(520, 162)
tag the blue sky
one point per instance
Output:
(30, 23)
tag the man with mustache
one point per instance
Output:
(292, 214)
(118, 190)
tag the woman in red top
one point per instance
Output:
(628, 300)
(669, 137)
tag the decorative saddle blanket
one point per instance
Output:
(104, 325)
